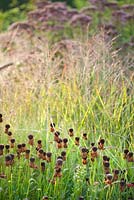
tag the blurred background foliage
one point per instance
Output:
(16, 10)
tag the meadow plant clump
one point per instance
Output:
(66, 120)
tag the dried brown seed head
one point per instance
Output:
(12, 140)
(30, 137)
(126, 151)
(27, 151)
(87, 179)
(85, 134)
(81, 198)
(94, 149)
(43, 164)
(41, 151)
(122, 182)
(77, 138)
(108, 159)
(71, 130)
(59, 162)
(52, 125)
(45, 198)
(60, 157)
(92, 144)
(83, 149)
(57, 133)
(59, 140)
(58, 170)
(1, 146)
(12, 156)
(32, 159)
(63, 153)
(8, 158)
(23, 145)
(65, 140)
(1, 120)
(9, 133)
(102, 141)
(19, 146)
(7, 126)
(7, 146)
(109, 176)
(116, 171)
(49, 154)
(39, 141)
(105, 158)
(130, 154)
(106, 164)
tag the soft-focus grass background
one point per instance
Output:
(88, 87)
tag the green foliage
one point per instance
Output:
(121, 2)
(9, 4)
(74, 3)
(14, 15)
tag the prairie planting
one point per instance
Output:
(66, 120)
